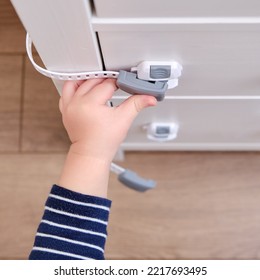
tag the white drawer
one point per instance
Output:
(217, 59)
(177, 8)
(211, 124)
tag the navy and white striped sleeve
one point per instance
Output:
(74, 226)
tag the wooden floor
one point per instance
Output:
(206, 205)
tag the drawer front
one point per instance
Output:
(203, 123)
(177, 8)
(217, 59)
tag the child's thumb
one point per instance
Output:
(132, 106)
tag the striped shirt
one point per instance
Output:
(74, 226)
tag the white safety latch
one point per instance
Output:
(161, 131)
(158, 70)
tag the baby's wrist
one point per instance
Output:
(85, 150)
(84, 173)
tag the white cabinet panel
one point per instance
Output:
(210, 124)
(62, 34)
(177, 8)
(217, 59)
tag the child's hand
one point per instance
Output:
(95, 129)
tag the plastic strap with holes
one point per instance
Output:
(66, 75)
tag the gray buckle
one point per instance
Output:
(128, 82)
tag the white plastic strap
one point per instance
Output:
(66, 75)
(116, 168)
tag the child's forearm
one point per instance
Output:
(85, 174)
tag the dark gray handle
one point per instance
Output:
(129, 82)
(134, 181)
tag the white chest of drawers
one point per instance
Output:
(217, 104)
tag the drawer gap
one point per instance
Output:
(100, 52)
